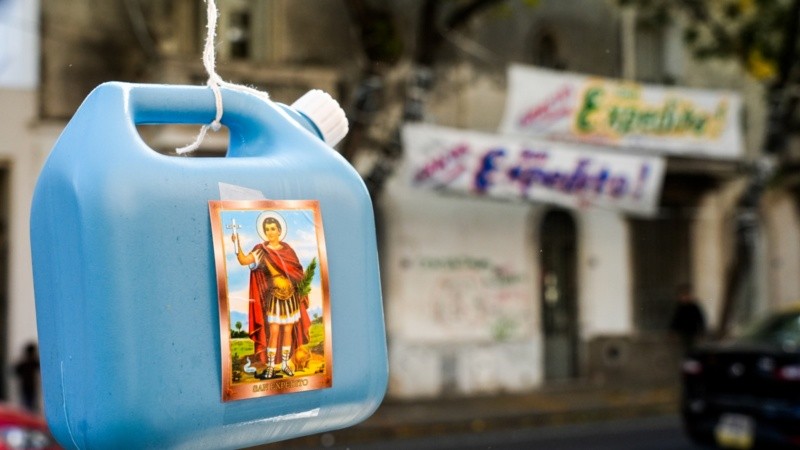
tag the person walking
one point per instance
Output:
(688, 320)
(27, 372)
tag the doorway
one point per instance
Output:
(661, 262)
(558, 289)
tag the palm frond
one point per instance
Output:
(304, 287)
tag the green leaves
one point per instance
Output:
(304, 287)
(750, 31)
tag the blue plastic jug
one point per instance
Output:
(157, 301)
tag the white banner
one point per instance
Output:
(501, 166)
(615, 113)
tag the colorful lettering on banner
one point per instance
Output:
(553, 109)
(657, 119)
(530, 170)
(502, 166)
(617, 111)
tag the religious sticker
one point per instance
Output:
(274, 310)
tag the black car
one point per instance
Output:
(745, 392)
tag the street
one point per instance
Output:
(656, 433)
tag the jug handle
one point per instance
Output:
(254, 123)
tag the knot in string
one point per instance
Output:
(215, 82)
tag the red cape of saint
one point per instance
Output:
(286, 262)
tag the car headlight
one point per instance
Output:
(18, 438)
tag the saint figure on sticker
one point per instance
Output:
(279, 287)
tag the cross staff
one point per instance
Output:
(233, 226)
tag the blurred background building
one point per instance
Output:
(22, 155)
(481, 296)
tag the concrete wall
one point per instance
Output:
(586, 35)
(782, 229)
(474, 100)
(604, 274)
(461, 303)
(712, 248)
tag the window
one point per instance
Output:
(658, 51)
(546, 52)
(649, 53)
(238, 34)
(251, 30)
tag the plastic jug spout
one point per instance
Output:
(321, 114)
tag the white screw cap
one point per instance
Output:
(326, 114)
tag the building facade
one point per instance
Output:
(490, 296)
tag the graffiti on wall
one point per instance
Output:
(465, 297)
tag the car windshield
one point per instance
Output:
(782, 329)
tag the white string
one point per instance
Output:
(215, 82)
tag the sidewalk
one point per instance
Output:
(398, 420)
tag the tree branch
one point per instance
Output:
(430, 35)
(377, 32)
